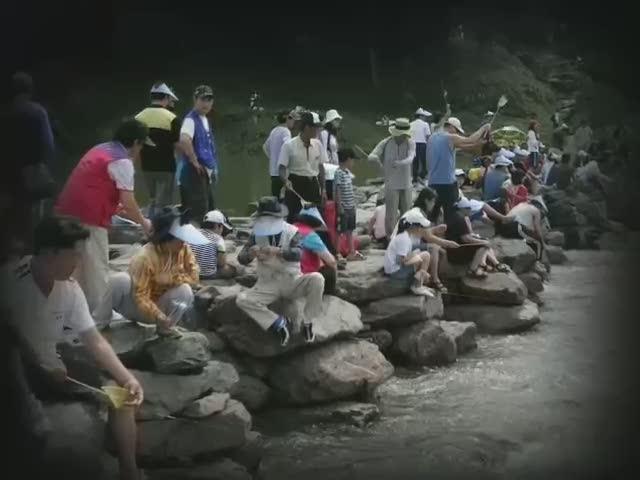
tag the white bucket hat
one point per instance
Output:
(455, 123)
(400, 127)
(423, 112)
(331, 115)
(460, 172)
(164, 90)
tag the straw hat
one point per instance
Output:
(421, 111)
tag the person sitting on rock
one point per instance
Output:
(211, 257)
(479, 210)
(48, 307)
(376, 226)
(527, 224)
(473, 250)
(403, 261)
(517, 192)
(276, 245)
(432, 241)
(157, 288)
(316, 257)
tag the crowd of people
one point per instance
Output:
(302, 234)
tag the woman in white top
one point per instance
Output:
(329, 135)
(534, 145)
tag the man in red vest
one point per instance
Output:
(100, 183)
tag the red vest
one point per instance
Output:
(90, 193)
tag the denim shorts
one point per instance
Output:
(405, 274)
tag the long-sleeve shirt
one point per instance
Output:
(154, 271)
(396, 160)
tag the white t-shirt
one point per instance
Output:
(278, 136)
(189, 127)
(400, 246)
(42, 321)
(533, 144)
(332, 152)
(122, 172)
(378, 223)
(420, 131)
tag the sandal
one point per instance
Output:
(503, 267)
(356, 257)
(439, 286)
(478, 273)
(488, 268)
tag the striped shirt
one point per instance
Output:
(207, 255)
(343, 184)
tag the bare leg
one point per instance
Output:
(491, 258)
(493, 214)
(123, 427)
(479, 258)
(435, 252)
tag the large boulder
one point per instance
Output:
(401, 311)
(170, 394)
(128, 338)
(252, 392)
(363, 282)
(382, 338)
(556, 255)
(336, 371)
(496, 319)
(206, 406)
(424, 343)
(532, 281)
(186, 354)
(463, 334)
(497, 288)
(555, 238)
(337, 319)
(216, 342)
(164, 441)
(515, 253)
(223, 469)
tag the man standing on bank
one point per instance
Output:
(199, 169)
(301, 166)
(158, 163)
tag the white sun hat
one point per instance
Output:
(331, 115)
(423, 112)
(188, 233)
(163, 89)
(415, 217)
(459, 172)
(455, 123)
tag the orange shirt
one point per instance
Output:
(154, 270)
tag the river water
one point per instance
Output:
(558, 401)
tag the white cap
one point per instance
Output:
(414, 217)
(422, 111)
(464, 203)
(506, 153)
(216, 216)
(164, 89)
(455, 123)
(331, 115)
(521, 152)
(502, 161)
(459, 172)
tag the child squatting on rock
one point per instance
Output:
(276, 245)
(406, 263)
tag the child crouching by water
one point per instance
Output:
(405, 263)
(212, 258)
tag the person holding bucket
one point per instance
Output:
(56, 312)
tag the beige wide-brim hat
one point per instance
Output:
(400, 127)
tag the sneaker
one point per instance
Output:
(422, 290)
(309, 335)
(281, 329)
